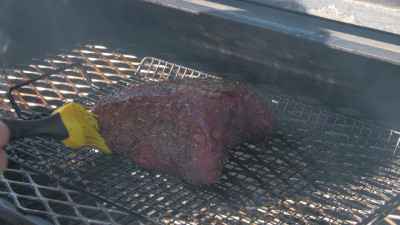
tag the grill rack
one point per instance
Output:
(320, 167)
(49, 203)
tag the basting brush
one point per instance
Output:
(71, 124)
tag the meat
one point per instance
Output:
(185, 127)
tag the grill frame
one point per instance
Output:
(329, 126)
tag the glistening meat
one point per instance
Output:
(185, 127)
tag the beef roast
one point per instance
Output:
(185, 127)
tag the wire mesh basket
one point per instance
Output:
(321, 166)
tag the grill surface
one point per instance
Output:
(37, 196)
(321, 167)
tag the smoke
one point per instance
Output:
(4, 43)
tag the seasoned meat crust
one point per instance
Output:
(185, 127)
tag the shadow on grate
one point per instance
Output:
(321, 167)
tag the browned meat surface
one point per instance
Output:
(185, 128)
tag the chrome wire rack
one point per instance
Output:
(321, 166)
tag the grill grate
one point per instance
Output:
(35, 195)
(321, 167)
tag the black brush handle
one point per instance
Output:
(51, 126)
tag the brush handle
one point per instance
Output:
(51, 126)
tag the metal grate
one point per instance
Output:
(35, 195)
(152, 69)
(103, 67)
(321, 167)
(393, 218)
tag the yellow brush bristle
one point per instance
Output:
(82, 127)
